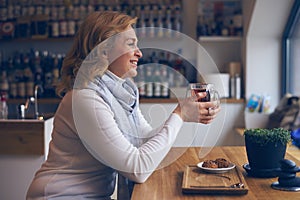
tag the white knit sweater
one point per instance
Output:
(84, 156)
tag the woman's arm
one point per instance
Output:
(100, 134)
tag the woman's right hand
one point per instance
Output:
(190, 110)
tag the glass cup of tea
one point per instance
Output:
(211, 93)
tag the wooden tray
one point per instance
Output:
(195, 180)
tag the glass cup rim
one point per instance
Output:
(201, 85)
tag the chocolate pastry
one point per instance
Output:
(222, 163)
(210, 164)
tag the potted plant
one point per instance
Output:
(265, 149)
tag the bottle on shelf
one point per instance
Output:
(4, 85)
(12, 80)
(70, 21)
(38, 70)
(48, 74)
(151, 25)
(149, 82)
(160, 25)
(237, 86)
(168, 23)
(201, 27)
(28, 77)
(179, 70)
(164, 73)
(140, 79)
(19, 70)
(56, 62)
(165, 92)
(238, 23)
(23, 27)
(157, 81)
(39, 26)
(177, 21)
(63, 29)
(142, 24)
(53, 22)
(7, 21)
(232, 88)
(3, 106)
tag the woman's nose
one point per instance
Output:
(138, 53)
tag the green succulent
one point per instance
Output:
(263, 136)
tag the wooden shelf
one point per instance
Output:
(42, 39)
(229, 100)
(174, 100)
(158, 100)
(40, 101)
(142, 100)
(220, 39)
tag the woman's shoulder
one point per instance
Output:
(85, 94)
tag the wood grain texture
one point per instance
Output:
(166, 183)
(22, 138)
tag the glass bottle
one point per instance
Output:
(168, 23)
(54, 24)
(21, 90)
(71, 24)
(177, 22)
(142, 25)
(3, 106)
(160, 25)
(156, 81)
(237, 79)
(151, 25)
(12, 78)
(165, 92)
(48, 75)
(63, 30)
(4, 84)
(38, 70)
(28, 76)
(149, 82)
(140, 80)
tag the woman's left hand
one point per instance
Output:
(208, 111)
(190, 110)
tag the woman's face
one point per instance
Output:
(124, 55)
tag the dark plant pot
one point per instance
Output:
(265, 157)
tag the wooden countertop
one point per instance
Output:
(165, 183)
(25, 137)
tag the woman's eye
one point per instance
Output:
(131, 44)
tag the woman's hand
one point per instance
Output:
(190, 110)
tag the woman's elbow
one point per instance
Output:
(140, 178)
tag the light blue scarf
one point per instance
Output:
(122, 97)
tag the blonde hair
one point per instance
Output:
(96, 28)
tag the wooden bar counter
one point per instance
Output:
(166, 182)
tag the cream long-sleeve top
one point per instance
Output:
(86, 153)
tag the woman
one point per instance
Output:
(99, 130)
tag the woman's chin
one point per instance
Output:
(130, 74)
